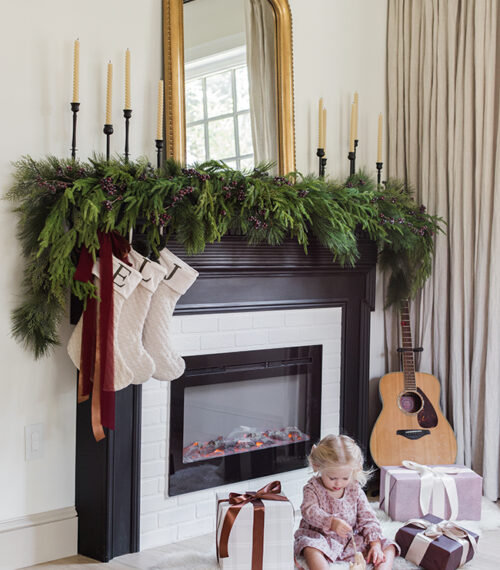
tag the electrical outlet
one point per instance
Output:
(34, 441)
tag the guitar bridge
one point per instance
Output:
(413, 433)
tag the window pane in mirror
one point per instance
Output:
(231, 164)
(194, 100)
(245, 134)
(242, 95)
(219, 94)
(221, 138)
(195, 144)
(247, 163)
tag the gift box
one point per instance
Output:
(255, 530)
(448, 491)
(436, 544)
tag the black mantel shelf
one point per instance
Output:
(233, 277)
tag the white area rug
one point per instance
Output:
(199, 553)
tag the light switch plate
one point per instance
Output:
(34, 441)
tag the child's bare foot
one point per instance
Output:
(390, 553)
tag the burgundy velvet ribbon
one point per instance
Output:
(269, 493)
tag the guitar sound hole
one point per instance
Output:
(410, 402)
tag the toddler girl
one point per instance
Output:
(335, 510)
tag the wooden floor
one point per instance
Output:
(488, 557)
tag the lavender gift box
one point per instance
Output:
(441, 553)
(400, 489)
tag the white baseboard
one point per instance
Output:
(37, 538)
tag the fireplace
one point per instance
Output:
(241, 415)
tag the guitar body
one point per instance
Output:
(411, 424)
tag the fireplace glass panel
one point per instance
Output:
(242, 415)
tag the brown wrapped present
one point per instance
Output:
(436, 544)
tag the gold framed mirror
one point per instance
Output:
(174, 82)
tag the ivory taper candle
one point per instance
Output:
(127, 80)
(379, 139)
(356, 109)
(109, 94)
(76, 72)
(159, 124)
(320, 123)
(351, 141)
(323, 129)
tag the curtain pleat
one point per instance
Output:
(443, 138)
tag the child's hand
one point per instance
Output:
(375, 554)
(341, 527)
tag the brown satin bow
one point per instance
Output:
(270, 493)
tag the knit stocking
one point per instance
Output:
(139, 366)
(125, 280)
(157, 342)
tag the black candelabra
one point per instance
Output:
(352, 159)
(127, 113)
(320, 153)
(159, 146)
(75, 107)
(108, 131)
(379, 172)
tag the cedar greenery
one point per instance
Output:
(62, 204)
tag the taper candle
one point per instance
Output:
(356, 108)
(127, 80)
(109, 94)
(323, 129)
(379, 139)
(76, 71)
(320, 123)
(159, 125)
(351, 142)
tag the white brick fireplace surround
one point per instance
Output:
(169, 519)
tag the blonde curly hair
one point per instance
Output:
(339, 450)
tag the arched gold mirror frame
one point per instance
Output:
(173, 63)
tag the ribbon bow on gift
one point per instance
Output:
(445, 486)
(422, 540)
(271, 492)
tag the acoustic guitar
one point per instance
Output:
(411, 424)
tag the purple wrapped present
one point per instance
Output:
(435, 544)
(448, 491)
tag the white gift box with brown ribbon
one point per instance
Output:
(436, 544)
(412, 490)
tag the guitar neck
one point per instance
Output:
(408, 357)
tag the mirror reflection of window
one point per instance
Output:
(228, 117)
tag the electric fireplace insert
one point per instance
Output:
(241, 415)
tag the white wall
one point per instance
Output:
(339, 48)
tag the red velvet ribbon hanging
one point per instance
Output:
(97, 354)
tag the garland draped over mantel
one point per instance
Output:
(62, 204)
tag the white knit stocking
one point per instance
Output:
(131, 324)
(125, 280)
(157, 341)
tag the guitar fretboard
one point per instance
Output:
(408, 359)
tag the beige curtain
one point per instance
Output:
(260, 33)
(444, 138)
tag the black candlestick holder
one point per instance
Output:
(320, 153)
(75, 107)
(379, 172)
(159, 146)
(108, 131)
(127, 113)
(352, 162)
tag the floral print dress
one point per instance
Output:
(318, 508)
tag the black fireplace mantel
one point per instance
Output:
(233, 277)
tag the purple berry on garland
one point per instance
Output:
(349, 185)
(361, 182)
(224, 212)
(422, 209)
(393, 200)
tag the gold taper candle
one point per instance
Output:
(351, 142)
(356, 109)
(159, 125)
(76, 72)
(127, 80)
(379, 139)
(323, 129)
(109, 94)
(320, 123)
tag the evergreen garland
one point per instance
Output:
(62, 204)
